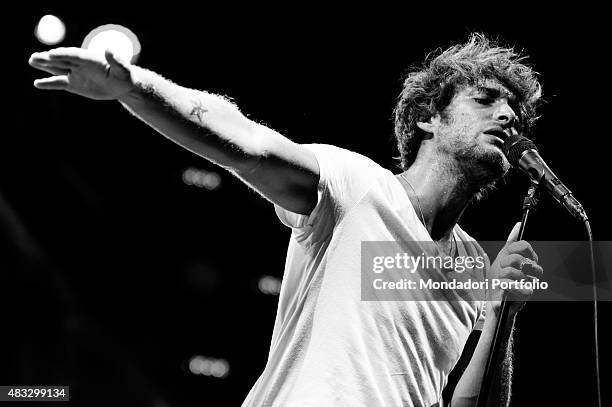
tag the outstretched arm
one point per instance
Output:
(206, 124)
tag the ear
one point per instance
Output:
(427, 126)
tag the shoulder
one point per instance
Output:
(340, 157)
(343, 171)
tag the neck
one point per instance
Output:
(442, 193)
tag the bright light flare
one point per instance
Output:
(117, 38)
(205, 366)
(202, 179)
(50, 30)
(269, 285)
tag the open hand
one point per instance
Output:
(84, 72)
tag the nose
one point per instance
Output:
(505, 115)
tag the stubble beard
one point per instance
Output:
(480, 165)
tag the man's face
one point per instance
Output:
(473, 127)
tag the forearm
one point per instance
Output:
(284, 172)
(203, 123)
(468, 387)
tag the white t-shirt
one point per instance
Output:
(330, 348)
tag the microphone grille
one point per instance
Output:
(515, 145)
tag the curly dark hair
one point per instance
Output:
(429, 89)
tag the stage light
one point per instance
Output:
(50, 30)
(205, 366)
(117, 38)
(269, 285)
(201, 178)
(219, 368)
(195, 365)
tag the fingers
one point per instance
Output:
(511, 260)
(58, 61)
(520, 262)
(52, 83)
(72, 54)
(513, 237)
(511, 273)
(54, 70)
(59, 68)
(533, 270)
(55, 67)
(516, 264)
(525, 265)
(523, 248)
(514, 275)
(113, 60)
(513, 245)
(49, 57)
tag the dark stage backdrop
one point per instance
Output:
(114, 272)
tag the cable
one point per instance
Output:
(593, 276)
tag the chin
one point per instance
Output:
(489, 169)
(485, 164)
(496, 163)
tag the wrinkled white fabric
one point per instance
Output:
(330, 348)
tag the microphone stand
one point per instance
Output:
(496, 352)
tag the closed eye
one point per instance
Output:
(484, 100)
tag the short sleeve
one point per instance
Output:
(344, 178)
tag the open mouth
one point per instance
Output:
(497, 136)
(497, 132)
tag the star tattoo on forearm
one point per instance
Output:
(198, 110)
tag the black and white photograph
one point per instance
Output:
(306, 206)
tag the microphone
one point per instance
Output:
(523, 153)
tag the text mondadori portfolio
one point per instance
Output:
(430, 284)
(459, 264)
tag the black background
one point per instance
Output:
(117, 272)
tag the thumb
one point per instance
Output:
(514, 234)
(115, 61)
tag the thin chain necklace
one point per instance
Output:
(416, 196)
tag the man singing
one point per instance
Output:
(330, 348)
